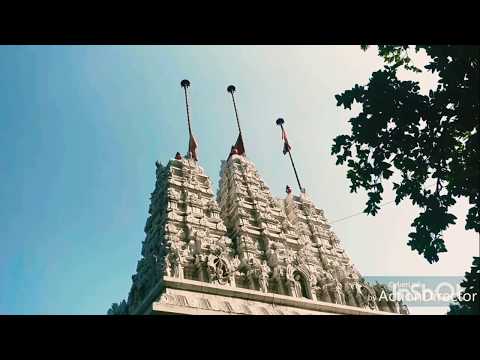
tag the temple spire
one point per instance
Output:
(238, 148)
(286, 149)
(192, 143)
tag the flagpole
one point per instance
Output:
(280, 122)
(192, 144)
(231, 89)
(185, 84)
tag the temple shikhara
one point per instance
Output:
(242, 250)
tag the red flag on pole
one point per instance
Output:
(239, 145)
(192, 148)
(286, 145)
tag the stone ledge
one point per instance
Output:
(168, 309)
(186, 302)
(266, 298)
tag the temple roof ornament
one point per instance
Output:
(192, 143)
(287, 149)
(238, 148)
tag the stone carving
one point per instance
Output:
(252, 271)
(349, 291)
(199, 265)
(264, 276)
(338, 269)
(212, 266)
(176, 259)
(287, 226)
(359, 295)
(234, 270)
(291, 281)
(314, 285)
(214, 211)
(286, 240)
(194, 199)
(338, 295)
(218, 268)
(302, 255)
(168, 266)
(169, 229)
(220, 226)
(225, 242)
(272, 256)
(199, 238)
(235, 264)
(297, 285)
(334, 241)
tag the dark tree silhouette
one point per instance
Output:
(469, 301)
(419, 137)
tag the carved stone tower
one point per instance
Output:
(286, 246)
(257, 224)
(246, 253)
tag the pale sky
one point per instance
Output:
(84, 125)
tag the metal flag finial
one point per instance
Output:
(231, 89)
(192, 144)
(286, 149)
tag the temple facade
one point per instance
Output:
(243, 251)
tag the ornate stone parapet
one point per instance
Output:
(194, 298)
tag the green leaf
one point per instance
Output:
(419, 136)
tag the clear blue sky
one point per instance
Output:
(81, 129)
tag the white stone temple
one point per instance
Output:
(243, 252)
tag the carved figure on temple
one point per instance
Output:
(263, 277)
(167, 266)
(297, 285)
(289, 274)
(213, 209)
(301, 256)
(225, 242)
(286, 226)
(272, 256)
(339, 296)
(348, 290)
(211, 266)
(359, 295)
(176, 260)
(252, 271)
(199, 240)
(199, 262)
(172, 199)
(177, 267)
(234, 269)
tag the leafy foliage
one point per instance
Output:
(469, 305)
(418, 137)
